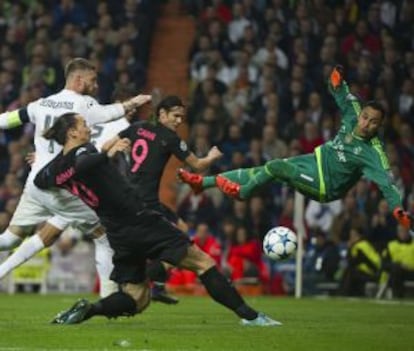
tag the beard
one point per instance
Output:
(87, 90)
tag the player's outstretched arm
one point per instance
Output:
(96, 113)
(13, 119)
(109, 143)
(201, 164)
(135, 102)
(121, 145)
(348, 103)
(336, 78)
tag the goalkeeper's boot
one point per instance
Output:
(260, 321)
(228, 187)
(194, 180)
(160, 294)
(75, 314)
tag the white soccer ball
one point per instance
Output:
(280, 243)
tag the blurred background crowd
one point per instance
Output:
(257, 90)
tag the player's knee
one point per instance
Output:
(140, 293)
(279, 167)
(206, 263)
(203, 262)
(98, 231)
(196, 260)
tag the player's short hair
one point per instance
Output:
(78, 64)
(58, 132)
(168, 103)
(376, 106)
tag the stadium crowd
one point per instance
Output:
(258, 72)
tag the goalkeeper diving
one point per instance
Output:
(332, 169)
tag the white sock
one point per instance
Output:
(26, 250)
(9, 241)
(104, 266)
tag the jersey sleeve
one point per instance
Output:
(31, 110)
(127, 132)
(46, 177)
(87, 157)
(95, 113)
(348, 104)
(378, 171)
(178, 147)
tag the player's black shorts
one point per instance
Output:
(165, 211)
(152, 236)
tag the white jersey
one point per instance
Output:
(102, 132)
(44, 112)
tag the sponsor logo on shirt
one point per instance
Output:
(56, 104)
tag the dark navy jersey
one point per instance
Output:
(91, 176)
(151, 147)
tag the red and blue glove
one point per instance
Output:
(337, 76)
(404, 218)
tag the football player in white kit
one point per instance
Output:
(58, 208)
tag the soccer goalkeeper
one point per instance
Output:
(333, 168)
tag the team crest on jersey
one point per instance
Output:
(183, 145)
(348, 138)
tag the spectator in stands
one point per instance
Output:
(321, 261)
(258, 219)
(268, 49)
(311, 138)
(273, 145)
(69, 11)
(255, 156)
(348, 218)
(382, 227)
(363, 264)
(234, 142)
(319, 217)
(398, 261)
(244, 258)
(197, 206)
(238, 23)
(362, 35)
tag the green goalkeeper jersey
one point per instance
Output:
(348, 157)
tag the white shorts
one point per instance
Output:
(58, 207)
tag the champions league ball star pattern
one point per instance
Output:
(279, 243)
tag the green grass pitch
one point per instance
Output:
(199, 324)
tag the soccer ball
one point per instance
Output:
(279, 243)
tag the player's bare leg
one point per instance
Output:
(46, 236)
(221, 290)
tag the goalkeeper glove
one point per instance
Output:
(404, 218)
(337, 76)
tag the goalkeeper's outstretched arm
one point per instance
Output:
(348, 103)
